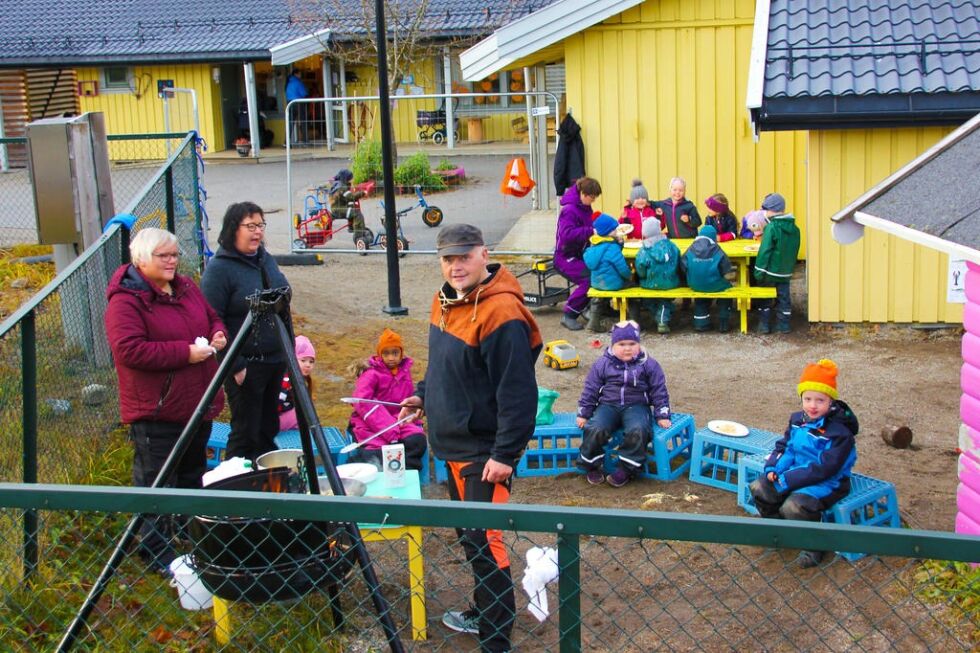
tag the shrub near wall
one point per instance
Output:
(415, 171)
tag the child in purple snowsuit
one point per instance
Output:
(571, 239)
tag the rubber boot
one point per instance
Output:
(765, 315)
(724, 321)
(595, 316)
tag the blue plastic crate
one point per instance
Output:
(714, 457)
(871, 501)
(554, 449)
(336, 440)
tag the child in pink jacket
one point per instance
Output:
(387, 377)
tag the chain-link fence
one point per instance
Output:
(134, 158)
(58, 394)
(627, 581)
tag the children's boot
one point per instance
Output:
(764, 316)
(724, 320)
(595, 316)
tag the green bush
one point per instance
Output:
(446, 164)
(415, 170)
(367, 162)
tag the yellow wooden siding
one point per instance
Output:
(667, 98)
(880, 278)
(125, 113)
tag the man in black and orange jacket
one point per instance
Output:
(480, 396)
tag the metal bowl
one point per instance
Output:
(283, 458)
(352, 486)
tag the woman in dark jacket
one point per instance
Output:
(242, 267)
(152, 322)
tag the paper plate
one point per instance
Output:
(633, 244)
(725, 427)
(624, 230)
(363, 472)
(751, 248)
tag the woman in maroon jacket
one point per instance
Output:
(153, 320)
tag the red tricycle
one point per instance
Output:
(319, 225)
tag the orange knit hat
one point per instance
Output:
(388, 340)
(821, 377)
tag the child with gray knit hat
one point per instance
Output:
(638, 211)
(656, 268)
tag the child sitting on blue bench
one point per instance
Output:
(620, 389)
(809, 469)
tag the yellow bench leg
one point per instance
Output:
(222, 621)
(416, 573)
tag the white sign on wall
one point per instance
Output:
(955, 280)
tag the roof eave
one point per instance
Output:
(536, 31)
(81, 61)
(850, 229)
(300, 48)
(757, 63)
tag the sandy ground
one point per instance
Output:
(888, 376)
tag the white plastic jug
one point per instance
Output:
(192, 592)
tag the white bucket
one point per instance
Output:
(192, 592)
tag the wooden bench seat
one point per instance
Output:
(742, 294)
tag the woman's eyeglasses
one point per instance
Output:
(167, 257)
(254, 226)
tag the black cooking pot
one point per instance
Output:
(263, 559)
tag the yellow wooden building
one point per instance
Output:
(661, 87)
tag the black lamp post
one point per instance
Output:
(394, 306)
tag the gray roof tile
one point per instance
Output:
(52, 32)
(874, 47)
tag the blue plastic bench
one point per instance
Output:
(218, 443)
(871, 502)
(714, 457)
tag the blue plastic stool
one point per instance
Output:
(871, 501)
(217, 443)
(714, 457)
(336, 440)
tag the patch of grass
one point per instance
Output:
(30, 276)
(954, 584)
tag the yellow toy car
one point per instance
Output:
(560, 355)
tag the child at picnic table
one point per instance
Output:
(306, 357)
(657, 263)
(776, 261)
(607, 265)
(678, 214)
(638, 210)
(386, 376)
(620, 390)
(708, 269)
(809, 469)
(721, 217)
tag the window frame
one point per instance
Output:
(108, 86)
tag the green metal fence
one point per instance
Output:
(135, 159)
(629, 580)
(58, 394)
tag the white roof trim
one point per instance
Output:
(301, 48)
(757, 60)
(955, 250)
(535, 32)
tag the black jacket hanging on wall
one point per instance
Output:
(570, 156)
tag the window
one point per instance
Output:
(116, 78)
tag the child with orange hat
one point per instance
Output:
(387, 376)
(809, 469)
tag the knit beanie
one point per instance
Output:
(605, 224)
(625, 331)
(638, 191)
(304, 348)
(651, 230)
(709, 232)
(821, 377)
(774, 202)
(716, 205)
(388, 340)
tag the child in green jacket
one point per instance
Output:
(776, 260)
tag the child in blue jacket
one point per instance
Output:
(604, 258)
(657, 263)
(707, 269)
(809, 469)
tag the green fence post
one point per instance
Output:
(28, 357)
(569, 594)
(168, 179)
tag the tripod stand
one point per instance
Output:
(266, 309)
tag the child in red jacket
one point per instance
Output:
(387, 376)
(638, 210)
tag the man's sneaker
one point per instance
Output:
(619, 478)
(808, 559)
(595, 477)
(570, 323)
(663, 328)
(466, 621)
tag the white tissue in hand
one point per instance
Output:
(542, 568)
(201, 341)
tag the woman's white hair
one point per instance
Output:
(146, 241)
(674, 180)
